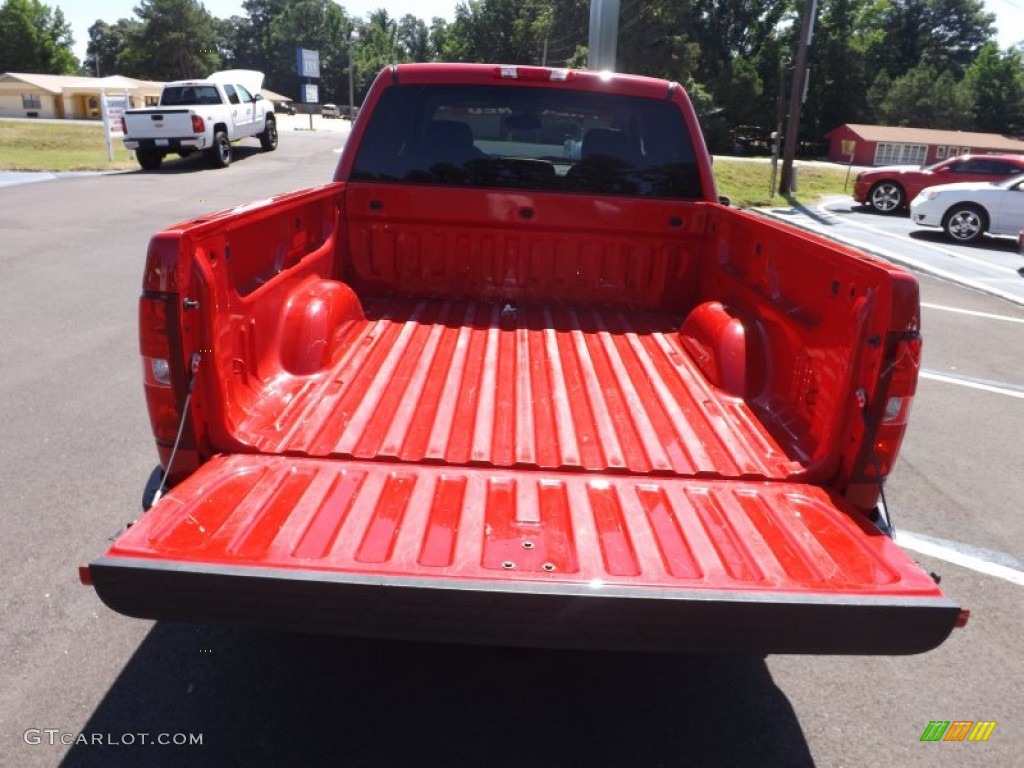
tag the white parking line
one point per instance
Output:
(938, 249)
(921, 266)
(973, 313)
(952, 552)
(965, 381)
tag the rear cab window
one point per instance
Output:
(184, 95)
(529, 138)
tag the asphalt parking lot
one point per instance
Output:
(75, 449)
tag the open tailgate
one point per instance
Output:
(528, 558)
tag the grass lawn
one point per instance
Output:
(746, 183)
(31, 146)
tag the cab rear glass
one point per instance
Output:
(529, 138)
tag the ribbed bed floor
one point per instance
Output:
(518, 386)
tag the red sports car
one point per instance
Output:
(891, 188)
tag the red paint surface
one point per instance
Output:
(368, 517)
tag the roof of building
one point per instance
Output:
(270, 95)
(56, 84)
(898, 134)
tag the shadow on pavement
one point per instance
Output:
(986, 243)
(810, 213)
(197, 161)
(264, 698)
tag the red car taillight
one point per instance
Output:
(198, 126)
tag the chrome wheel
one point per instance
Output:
(965, 224)
(886, 196)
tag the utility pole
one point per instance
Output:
(351, 89)
(796, 96)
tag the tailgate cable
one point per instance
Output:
(194, 369)
(884, 521)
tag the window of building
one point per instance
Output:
(889, 153)
(940, 153)
(31, 101)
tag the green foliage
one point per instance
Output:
(926, 98)
(748, 183)
(107, 45)
(926, 63)
(318, 25)
(58, 146)
(35, 38)
(376, 47)
(174, 40)
(996, 81)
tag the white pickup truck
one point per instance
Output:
(202, 115)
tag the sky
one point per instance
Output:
(83, 13)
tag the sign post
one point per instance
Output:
(307, 65)
(112, 109)
(849, 147)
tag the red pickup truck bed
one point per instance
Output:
(519, 386)
(528, 416)
(474, 433)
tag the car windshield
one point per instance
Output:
(529, 138)
(1013, 181)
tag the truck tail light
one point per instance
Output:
(124, 127)
(157, 366)
(198, 126)
(899, 384)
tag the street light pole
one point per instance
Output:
(796, 95)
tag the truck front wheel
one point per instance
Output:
(149, 159)
(219, 152)
(268, 139)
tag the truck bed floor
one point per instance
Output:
(475, 384)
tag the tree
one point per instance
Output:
(107, 45)
(175, 40)
(236, 43)
(35, 38)
(838, 86)
(945, 34)
(996, 83)
(505, 31)
(375, 48)
(925, 98)
(319, 25)
(414, 38)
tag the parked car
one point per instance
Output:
(329, 110)
(284, 107)
(967, 211)
(889, 189)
